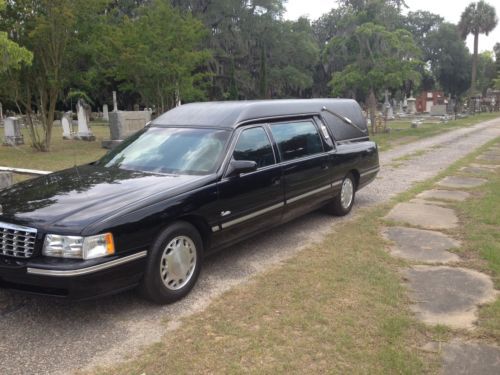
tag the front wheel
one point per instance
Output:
(174, 264)
(343, 202)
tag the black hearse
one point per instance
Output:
(199, 178)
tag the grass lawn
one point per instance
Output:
(402, 132)
(481, 234)
(64, 153)
(337, 307)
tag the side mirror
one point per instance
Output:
(237, 167)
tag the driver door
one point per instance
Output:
(252, 201)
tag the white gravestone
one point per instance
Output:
(66, 125)
(105, 112)
(115, 102)
(12, 132)
(388, 108)
(84, 132)
(412, 105)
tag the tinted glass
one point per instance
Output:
(297, 139)
(170, 150)
(253, 144)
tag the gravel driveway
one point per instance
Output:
(46, 336)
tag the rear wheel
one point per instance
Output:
(174, 264)
(343, 202)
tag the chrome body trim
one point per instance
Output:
(87, 270)
(370, 171)
(17, 227)
(309, 193)
(279, 205)
(252, 215)
(350, 140)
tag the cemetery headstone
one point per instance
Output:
(12, 132)
(105, 112)
(115, 102)
(66, 123)
(388, 107)
(412, 108)
(123, 124)
(84, 132)
(417, 123)
(438, 110)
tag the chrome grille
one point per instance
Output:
(17, 241)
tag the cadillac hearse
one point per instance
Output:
(199, 178)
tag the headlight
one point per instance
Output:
(78, 247)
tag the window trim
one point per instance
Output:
(321, 121)
(232, 147)
(313, 122)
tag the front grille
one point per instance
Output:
(17, 241)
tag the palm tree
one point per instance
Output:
(477, 18)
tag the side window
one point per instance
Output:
(297, 139)
(253, 144)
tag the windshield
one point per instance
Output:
(170, 150)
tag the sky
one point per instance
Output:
(450, 10)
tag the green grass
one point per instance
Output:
(403, 133)
(481, 236)
(64, 153)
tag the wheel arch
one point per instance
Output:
(356, 176)
(201, 226)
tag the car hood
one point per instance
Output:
(74, 198)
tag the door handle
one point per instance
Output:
(276, 181)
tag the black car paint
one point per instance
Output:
(137, 206)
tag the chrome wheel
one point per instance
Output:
(347, 193)
(178, 262)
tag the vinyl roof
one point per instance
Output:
(232, 113)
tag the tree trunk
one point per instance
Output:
(49, 118)
(372, 108)
(474, 65)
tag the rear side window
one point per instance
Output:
(253, 144)
(297, 139)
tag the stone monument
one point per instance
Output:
(105, 112)
(122, 124)
(115, 102)
(84, 132)
(66, 124)
(412, 108)
(12, 132)
(439, 110)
